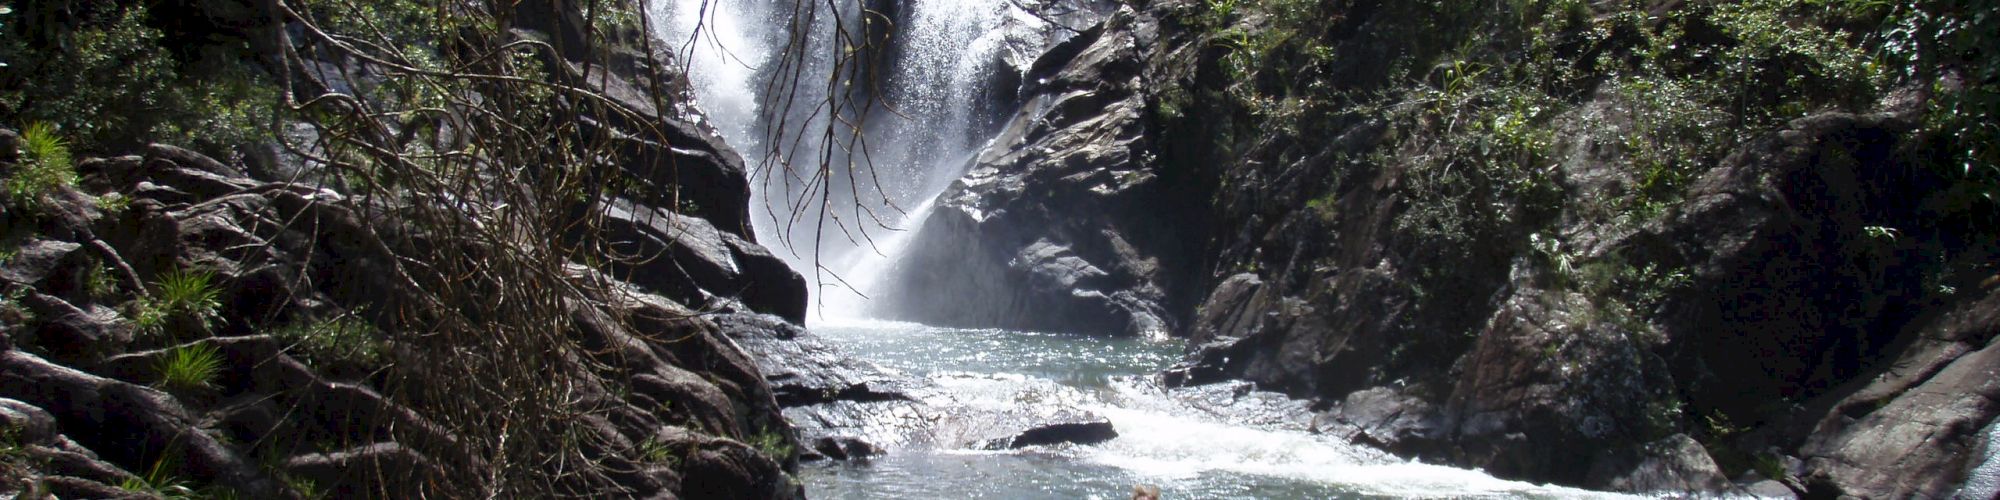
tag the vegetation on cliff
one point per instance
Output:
(384, 267)
(1616, 223)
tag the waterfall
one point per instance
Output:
(930, 93)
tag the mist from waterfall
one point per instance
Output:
(940, 84)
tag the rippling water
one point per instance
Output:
(1164, 440)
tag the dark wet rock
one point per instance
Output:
(805, 370)
(72, 487)
(686, 163)
(1386, 419)
(27, 423)
(128, 423)
(1925, 427)
(73, 334)
(829, 396)
(78, 464)
(381, 464)
(181, 157)
(1231, 310)
(1206, 363)
(689, 260)
(36, 261)
(843, 448)
(1674, 464)
(1766, 488)
(721, 468)
(1077, 428)
(10, 145)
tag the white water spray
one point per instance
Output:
(934, 112)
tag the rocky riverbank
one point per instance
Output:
(1794, 310)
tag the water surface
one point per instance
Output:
(1165, 438)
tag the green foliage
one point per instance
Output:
(346, 339)
(190, 367)
(190, 293)
(45, 167)
(160, 481)
(99, 282)
(1673, 137)
(654, 451)
(180, 293)
(1662, 417)
(11, 311)
(773, 443)
(109, 78)
(10, 443)
(147, 316)
(305, 488)
(1770, 466)
(114, 203)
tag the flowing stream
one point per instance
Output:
(937, 109)
(1210, 442)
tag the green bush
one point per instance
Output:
(107, 78)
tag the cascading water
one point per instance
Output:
(937, 92)
(925, 103)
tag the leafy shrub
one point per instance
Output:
(107, 76)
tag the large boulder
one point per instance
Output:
(696, 263)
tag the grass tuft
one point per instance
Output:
(46, 166)
(188, 368)
(190, 294)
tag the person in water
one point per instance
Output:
(1145, 492)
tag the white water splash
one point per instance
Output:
(933, 114)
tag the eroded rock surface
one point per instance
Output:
(1056, 226)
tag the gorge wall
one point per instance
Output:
(1553, 240)
(267, 320)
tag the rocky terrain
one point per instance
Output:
(1059, 225)
(1806, 310)
(1558, 241)
(181, 325)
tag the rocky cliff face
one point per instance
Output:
(175, 323)
(1060, 224)
(1800, 319)
(86, 395)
